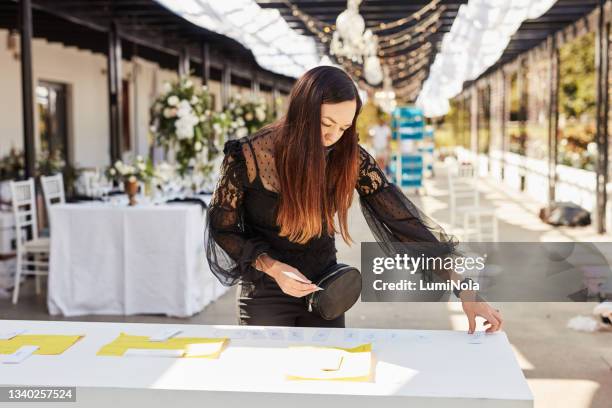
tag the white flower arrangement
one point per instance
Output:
(247, 115)
(140, 169)
(182, 119)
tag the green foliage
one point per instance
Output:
(12, 166)
(577, 103)
(247, 115)
(49, 162)
(577, 89)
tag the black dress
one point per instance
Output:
(241, 225)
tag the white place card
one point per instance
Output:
(295, 334)
(476, 338)
(422, 338)
(134, 352)
(257, 334)
(231, 333)
(297, 278)
(165, 334)
(10, 335)
(393, 336)
(21, 354)
(321, 335)
(351, 335)
(369, 337)
(275, 334)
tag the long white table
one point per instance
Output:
(115, 259)
(412, 369)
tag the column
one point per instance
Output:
(27, 87)
(114, 91)
(602, 66)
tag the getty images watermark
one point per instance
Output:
(503, 272)
(413, 264)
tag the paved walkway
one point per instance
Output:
(564, 368)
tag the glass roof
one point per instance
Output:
(479, 35)
(276, 46)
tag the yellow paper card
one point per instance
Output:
(48, 344)
(319, 363)
(194, 347)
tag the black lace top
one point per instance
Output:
(241, 218)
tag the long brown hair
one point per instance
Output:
(313, 190)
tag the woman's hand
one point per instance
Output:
(473, 308)
(288, 285)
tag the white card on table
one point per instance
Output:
(316, 358)
(350, 335)
(476, 338)
(393, 335)
(232, 334)
(238, 334)
(257, 334)
(21, 354)
(295, 335)
(135, 352)
(203, 349)
(321, 335)
(368, 337)
(10, 335)
(275, 334)
(165, 334)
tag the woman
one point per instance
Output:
(274, 206)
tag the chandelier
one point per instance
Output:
(351, 40)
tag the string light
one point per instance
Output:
(410, 81)
(412, 42)
(416, 16)
(390, 45)
(411, 69)
(425, 48)
(317, 27)
(410, 32)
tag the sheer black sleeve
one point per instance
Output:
(229, 248)
(393, 218)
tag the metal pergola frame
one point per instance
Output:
(566, 20)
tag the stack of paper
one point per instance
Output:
(330, 363)
(48, 344)
(200, 347)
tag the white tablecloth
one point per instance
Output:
(413, 368)
(111, 259)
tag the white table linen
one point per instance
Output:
(115, 259)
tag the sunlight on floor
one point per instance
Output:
(562, 393)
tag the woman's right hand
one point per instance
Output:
(288, 285)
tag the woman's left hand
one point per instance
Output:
(474, 308)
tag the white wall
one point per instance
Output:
(85, 74)
(10, 100)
